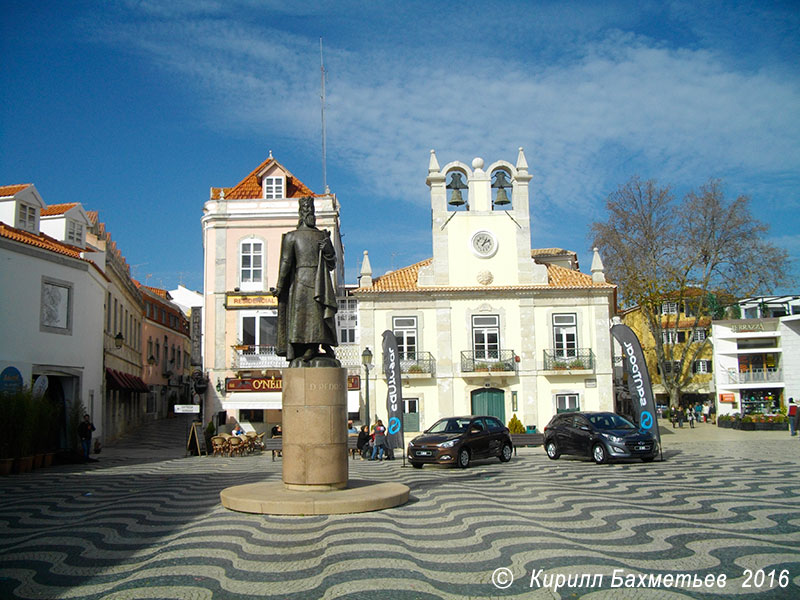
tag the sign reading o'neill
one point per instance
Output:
(275, 384)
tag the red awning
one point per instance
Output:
(117, 380)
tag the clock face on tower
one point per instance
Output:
(484, 244)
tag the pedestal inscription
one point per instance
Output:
(315, 428)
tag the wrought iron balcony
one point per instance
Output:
(264, 357)
(257, 357)
(576, 359)
(490, 361)
(421, 364)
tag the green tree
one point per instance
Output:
(701, 253)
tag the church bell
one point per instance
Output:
(501, 184)
(456, 185)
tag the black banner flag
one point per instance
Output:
(394, 396)
(638, 378)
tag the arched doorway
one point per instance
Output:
(489, 401)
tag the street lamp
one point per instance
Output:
(366, 360)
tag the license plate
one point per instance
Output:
(641, 447)
(423, 453)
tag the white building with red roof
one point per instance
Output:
(53, 300)
(489, 325)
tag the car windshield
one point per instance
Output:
(610, 421)
(449, 426)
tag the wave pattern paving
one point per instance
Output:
(138, 526)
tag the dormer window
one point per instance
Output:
(26, 217)
(74, 232)
(273, 187)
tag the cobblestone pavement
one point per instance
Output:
(146, 522)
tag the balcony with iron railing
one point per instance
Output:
(417, 364)
(247, 357)
(489, 362)
(568, 361)
(771, 375)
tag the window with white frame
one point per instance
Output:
(26, 217)
(567, 403)
(273, 187)
(670, 367)
(259, 329)
(405, 332)
(565, 335)
(670, 336)
(701, 366)
(347, 320)
(251, 265)
(669, 308)
(486, 337)
(699, 335)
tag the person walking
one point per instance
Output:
(792, 414)
(85, 430)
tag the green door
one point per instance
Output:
(489, 401)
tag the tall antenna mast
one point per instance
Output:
(324, 141)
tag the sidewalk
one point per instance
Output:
(709, 432)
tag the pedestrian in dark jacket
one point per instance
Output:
(85, 430)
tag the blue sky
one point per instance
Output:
(137, 108)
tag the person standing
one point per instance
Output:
(792, 414)
(379, 439)
(85, 430)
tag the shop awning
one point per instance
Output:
(272, 400)
(252, 400)
(117, 380)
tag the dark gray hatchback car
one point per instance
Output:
(601, 435)
(459, 440)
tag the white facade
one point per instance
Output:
(51, 320)
(482, 327)
(757, 360)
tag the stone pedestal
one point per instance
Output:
(315, 429)
(315, 463)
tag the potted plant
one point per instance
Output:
(559, 365)
(577, 364)
(747, 423)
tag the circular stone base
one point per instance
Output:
(273, 498)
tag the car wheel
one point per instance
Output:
(648, 458)
(552, 450)
(463, 458)
(599, 454)
(505, 453)
(416, 465)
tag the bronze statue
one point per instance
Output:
(306, 298)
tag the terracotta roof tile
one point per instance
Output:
(45, 242)
(249, 188)
(10, 190)
(405, 280)
(57, 209)
(551, 252)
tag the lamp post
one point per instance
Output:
(366, 360)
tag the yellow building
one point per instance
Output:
(488, 325)
(682, 347)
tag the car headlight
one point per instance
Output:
(411, 444)
(449, 444)
(612, 438)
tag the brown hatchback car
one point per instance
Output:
(459, 440)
